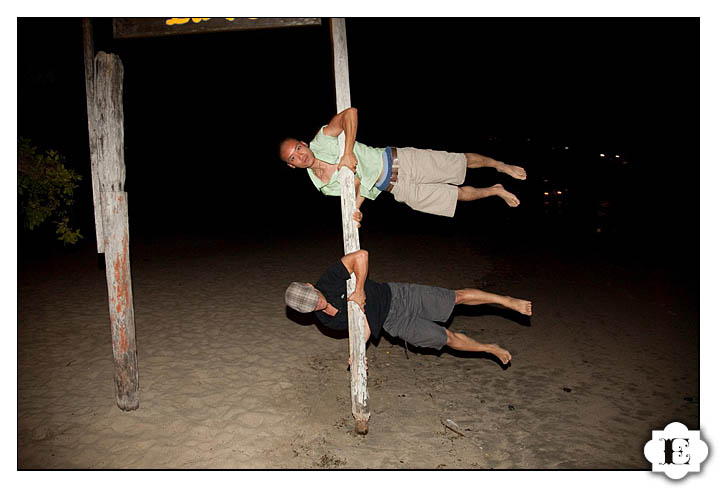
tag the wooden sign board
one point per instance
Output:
(134, 27)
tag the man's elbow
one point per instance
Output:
(356, 259)
(362, 260)
(350, 114)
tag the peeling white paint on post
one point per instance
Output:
(341, 68)
(357, 345)
(108, 123)
(89, 49)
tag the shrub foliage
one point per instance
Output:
(45, 190)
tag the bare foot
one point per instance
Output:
(501, 354)
(519, 305)
(512, 170)
(508, 197)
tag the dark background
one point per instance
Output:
(204, 114)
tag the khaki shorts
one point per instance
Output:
(428, 179)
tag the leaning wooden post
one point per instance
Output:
(357, 345)
(89, 48)
(108, 122)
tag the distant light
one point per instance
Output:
(602, 155)
(545, 193)
(617, 156)
(252, 18)
(559, 192)
(565, 147)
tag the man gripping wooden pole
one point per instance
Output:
(357, 343)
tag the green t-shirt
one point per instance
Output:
(369, 165)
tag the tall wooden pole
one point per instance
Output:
(89, 48)
(108, 123)
(357, 345)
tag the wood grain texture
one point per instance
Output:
(89, 53)
(357, 344)
(109, 126)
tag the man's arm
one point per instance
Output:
(358, 264)
(359, 200)
(347, 121)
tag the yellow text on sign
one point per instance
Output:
(196, 20)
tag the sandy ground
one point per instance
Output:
(231, 379)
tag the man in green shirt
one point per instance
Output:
(426, 180)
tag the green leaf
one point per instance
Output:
(45, 188)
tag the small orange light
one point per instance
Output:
(545, 193)
(559, 192)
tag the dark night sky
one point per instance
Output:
(203, 113)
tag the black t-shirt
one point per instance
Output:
(333, 284)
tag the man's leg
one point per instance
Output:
(459, 341)
(467, 193)
(476, 297)
(474, 160)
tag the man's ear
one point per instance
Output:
(290, 165)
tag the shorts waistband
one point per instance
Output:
(391, 168)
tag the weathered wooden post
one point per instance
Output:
(89, 48)
(107, 115)
(357, 345)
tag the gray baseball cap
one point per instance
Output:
(301, 297)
